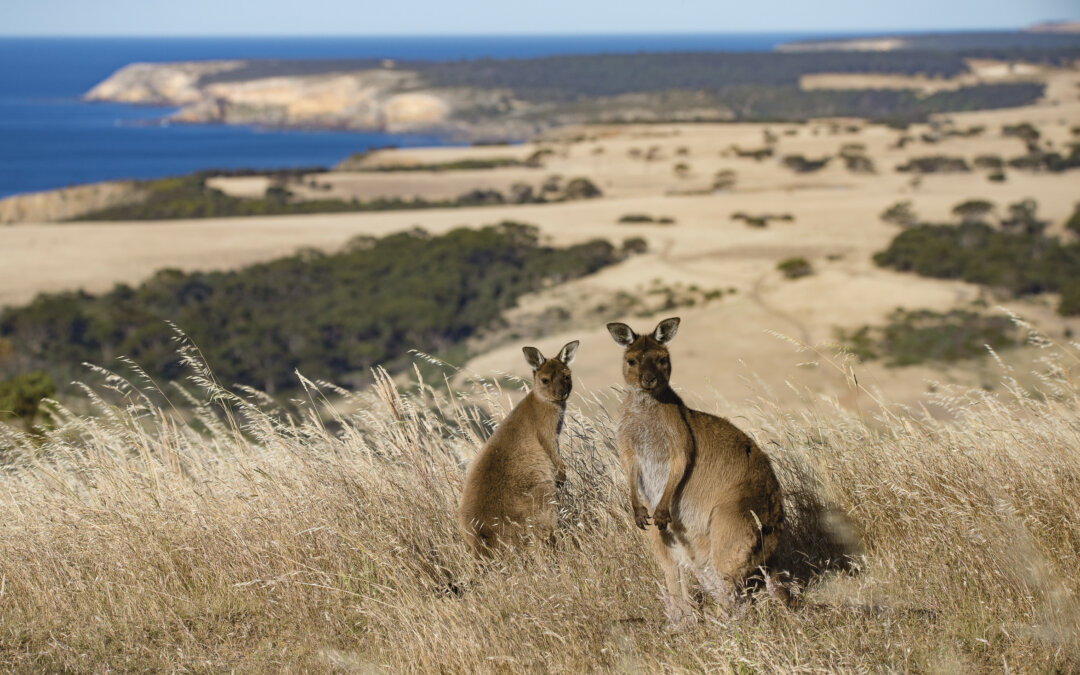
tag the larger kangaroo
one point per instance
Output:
(714, 498)
(510, 484)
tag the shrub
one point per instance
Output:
(1073, 223)
(644, 218)
(1025, 131)
(973, 209)
(934, 164)
(901, 213)
(800, 164)
(757, 154)
(581, 188)
(20, 397)
(988, 162)
(761, 220)
(634, 246)
(912, 337)
(794, 268)
(724, 180)
(1022, 217)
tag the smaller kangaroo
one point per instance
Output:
(714, 498)
(511, 482)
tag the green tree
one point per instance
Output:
(1073, 223)
(20, 397)
(973, 210)
(900, 213)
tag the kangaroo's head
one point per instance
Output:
(551, 377)
(646, 362)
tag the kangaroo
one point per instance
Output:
(715, 501)
(511, 482)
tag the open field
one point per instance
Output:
(132, 540)
(835, 226)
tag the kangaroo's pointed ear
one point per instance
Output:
(622, 333)
(534, 357)
(568, 352)
(666, 330)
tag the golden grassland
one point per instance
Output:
(189, 528)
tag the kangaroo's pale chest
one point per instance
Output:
(643, 429)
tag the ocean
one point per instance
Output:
(50, 139)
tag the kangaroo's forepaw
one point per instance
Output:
(641, 517)
(662, 518)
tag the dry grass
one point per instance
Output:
(223, 533)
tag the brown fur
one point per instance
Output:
(510, 485)
(715, 501)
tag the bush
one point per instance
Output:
(1073, 223)
(761, 220)
(724, 180)
(1023, 218)
(912, 337)
(800, 164)
(1025, 131)
(644, 218)
(988, 162)
(581, 188)
(973, 210)
(934, 164)
(20, 397)
(757, 154)
(794, 268)
(901, 213)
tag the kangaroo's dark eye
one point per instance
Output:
(664, 361)
(630, 362)
(544, 380)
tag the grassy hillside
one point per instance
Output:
(243, 538)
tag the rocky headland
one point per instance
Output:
(379, 97)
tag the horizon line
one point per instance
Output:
(874, 32)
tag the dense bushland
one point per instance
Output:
(332, 316)
(911, 337)
(1021, 259)
(191, 197)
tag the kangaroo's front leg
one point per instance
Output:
(633, 475)
(677, 463)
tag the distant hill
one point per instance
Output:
(514, 99)
(978, 44)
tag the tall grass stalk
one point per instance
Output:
(195, 528)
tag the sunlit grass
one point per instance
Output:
(193, 528)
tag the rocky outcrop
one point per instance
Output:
(157, 83)
(383, 98)
(67, 203)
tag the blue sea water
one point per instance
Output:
(50, 139)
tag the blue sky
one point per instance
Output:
(473, 17)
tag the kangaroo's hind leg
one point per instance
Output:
(677, 602)
(733, 554)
